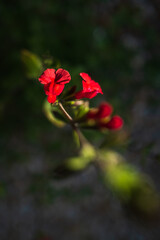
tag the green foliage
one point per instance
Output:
(88, 152)
(32, 63)
(81, 111)
(86, 156)
(123, 179)
(77, 163)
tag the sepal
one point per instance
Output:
(49, 111)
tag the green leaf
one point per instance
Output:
(88, 152)
(77, 163)
(87, 155)
(32, 63)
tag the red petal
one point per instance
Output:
(47, 76)
(105, 110)
(96, 86)
(116, 122)
(79, 95)
(62, 76)
(90, 94)
(92, 86)
(57, 89)
(82, 94)
(85, 77)
(51, 98)
(46, 88)
(86, 86)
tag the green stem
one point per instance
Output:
(82, 139)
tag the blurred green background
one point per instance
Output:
(117, 42)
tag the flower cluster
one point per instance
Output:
(54, 82)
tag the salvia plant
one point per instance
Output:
(65, 105)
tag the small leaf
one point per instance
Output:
(88, 152)
(32, 64)
(87, 155)
(77, 163)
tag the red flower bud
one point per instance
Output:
(115, 123)
(102, 117)
(105, 110)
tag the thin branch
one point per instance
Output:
(65, 112)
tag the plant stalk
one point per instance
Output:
(74, 125)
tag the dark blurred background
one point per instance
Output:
(118, 43)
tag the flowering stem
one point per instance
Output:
(82, 139)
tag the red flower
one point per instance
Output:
(90, 87)
(54, 82)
